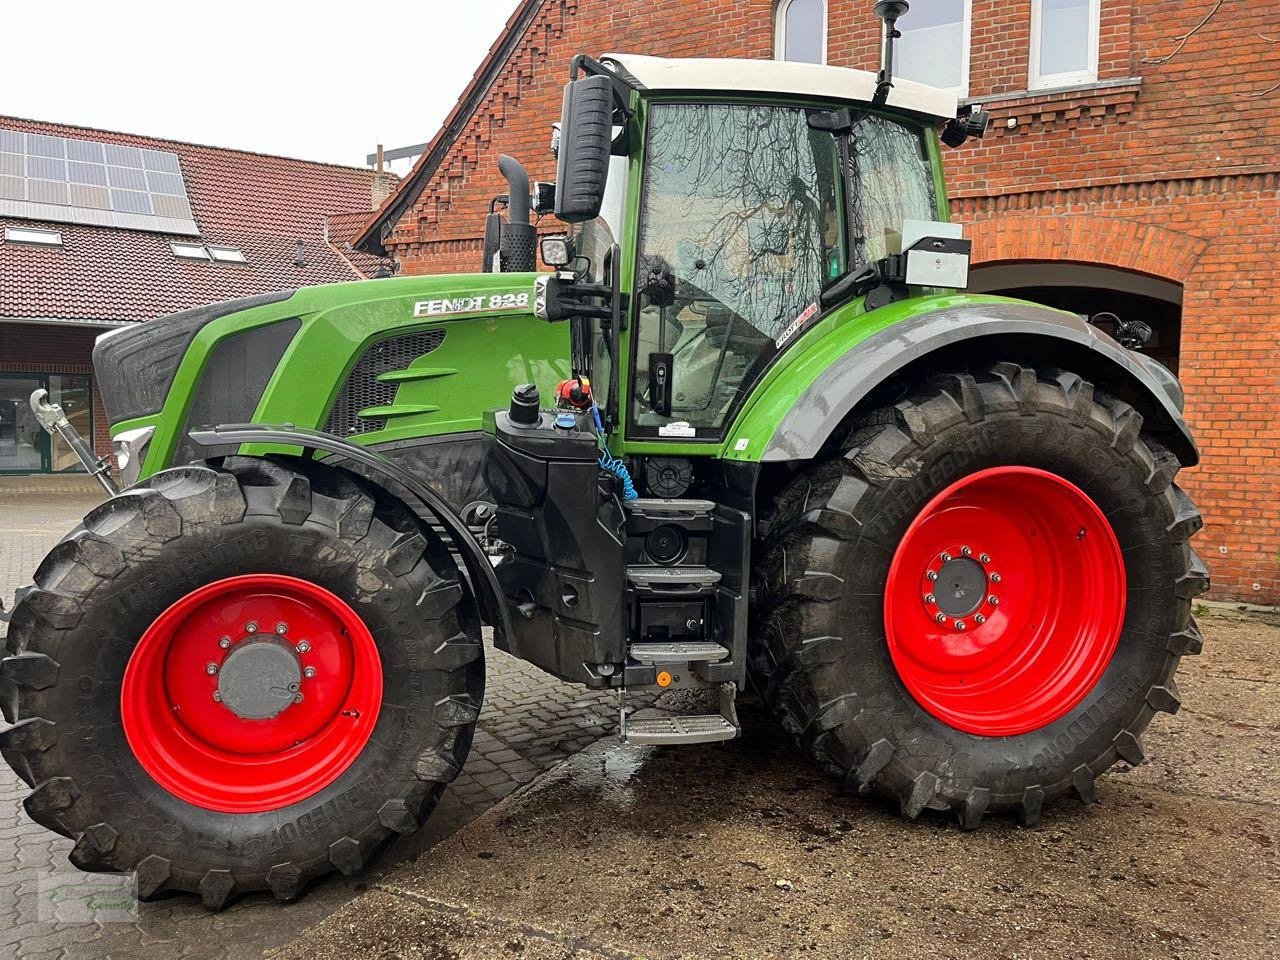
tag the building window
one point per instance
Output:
(935, 44)
(39, 238)
(189, 251)
(800, 31)
(227, 254)
(1064, 42)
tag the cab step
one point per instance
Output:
(669, 581)
(668, 510)
(683, 729)
(711, 728)
(691, 652)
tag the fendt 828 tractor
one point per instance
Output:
(748, 429)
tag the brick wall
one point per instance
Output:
(1169, 167)
(50, 348)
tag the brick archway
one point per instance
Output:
(1106, 241)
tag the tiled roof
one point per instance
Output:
(261, 204)
(342, 230)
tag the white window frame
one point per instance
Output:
(962, 91)
(780, 30)
(1038, 81)
(188, 251)
(227, 254)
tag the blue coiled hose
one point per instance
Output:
(611, 464)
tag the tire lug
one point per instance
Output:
(224, 642)
(930, 598)
(960, 625)
(993, 600)
(282, 628)
(995, 578)
(309, 672)
(946, 558)
(941, 618)
(932, 575)
(965, 551)
(979, 619)
(251, 627)
(211, 669)
(304, 647)
(217, 696)
(984, 558)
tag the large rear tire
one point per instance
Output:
(980, 604)
(241, 679)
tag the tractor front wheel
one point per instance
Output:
(980, 605)
(241, 678)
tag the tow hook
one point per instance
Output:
(53, 420)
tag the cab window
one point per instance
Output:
(742, 203)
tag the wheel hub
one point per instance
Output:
(224, 712)
(260, 679)
(1005, 601)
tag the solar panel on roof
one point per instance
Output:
(82, 181)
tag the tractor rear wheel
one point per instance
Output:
(980, 604)
(241, 678)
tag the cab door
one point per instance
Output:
(742, 205)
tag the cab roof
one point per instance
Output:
(782, 77)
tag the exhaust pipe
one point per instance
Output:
(519, 239)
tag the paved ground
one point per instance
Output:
(530, 722)
(742, 850)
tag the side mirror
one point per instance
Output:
(586, 137)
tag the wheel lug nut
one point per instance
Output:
(211, 669)
(930, 598)
(932, 575)
(960, 625)
(995, 578)
(309, 672)
(966, 551)
(946, 558)
(993, 600)
(251, 627)
(282, 628)
(979, 619)
(941, 618)
(217, 696)
(293, 688)
(297, 698)
(224, 642)
(303, 647)
(984, 558)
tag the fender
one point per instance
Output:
(851, 377)
(488, 592)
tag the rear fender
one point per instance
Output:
(999, 330)
(429, 505)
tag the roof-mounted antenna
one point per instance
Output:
(889, 11)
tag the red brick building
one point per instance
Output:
(1133, 166)
(101, 229)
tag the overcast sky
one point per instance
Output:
(318, 80)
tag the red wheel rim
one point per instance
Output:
(204, 673)
(1005, 601)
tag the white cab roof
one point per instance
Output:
(784, 77)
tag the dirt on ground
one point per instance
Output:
(744, 850)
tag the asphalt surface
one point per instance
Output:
(48, 909)
(743, 850)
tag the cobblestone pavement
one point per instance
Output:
(530, 722)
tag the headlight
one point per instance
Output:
(130, 448)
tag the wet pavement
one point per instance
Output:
(742, 850)
(530, 723)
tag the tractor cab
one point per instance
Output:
(719, 212)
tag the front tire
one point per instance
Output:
(241, 679)
(996, 694)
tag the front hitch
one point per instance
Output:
(53, 420)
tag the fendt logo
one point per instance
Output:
(497, 301)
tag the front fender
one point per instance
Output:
(488, 592)
(838, 388)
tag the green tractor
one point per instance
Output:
(749, 429)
